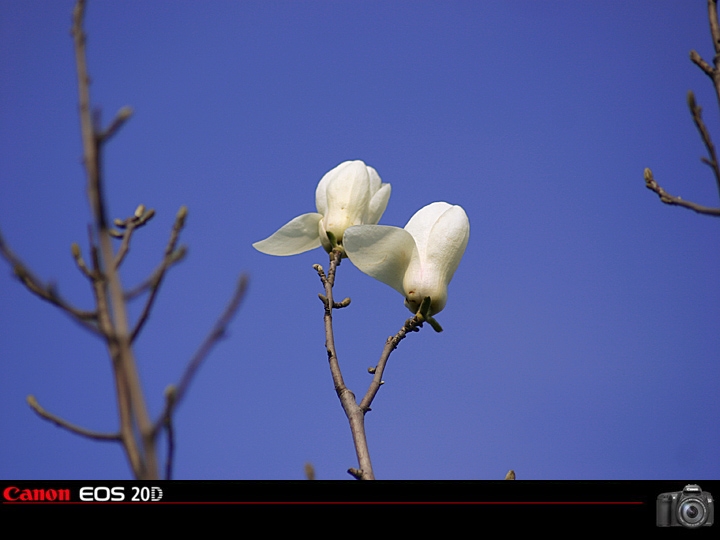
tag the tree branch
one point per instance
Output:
(355, 415)
(46, 292)
(174, 396)
(96, 435)
(665, 197)
(130, 224)
(411, 325)
(696, 112)
(131, 401)
(171, 257)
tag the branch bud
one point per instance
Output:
(148, 216)
(171, 393)
(181, 215)
(139, 211)
(75, 249)
(178, 254)
(124, 113)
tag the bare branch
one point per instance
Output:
(696, 112)
(355, 416)
(714, 26)
(171, 256)
(170, 399)
(46, 292)
(130, 224)
(702, 64)
(80, 262)
(411, 325)
(216, 334)
(122, 116)
(134, 419)
(665, 197)
(96, 435)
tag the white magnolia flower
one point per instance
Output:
(350, 194)
(417, 261)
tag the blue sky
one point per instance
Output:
(582, 328)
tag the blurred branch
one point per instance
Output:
(696, 113)
(171, 257)
(137, 433)
(174, 396)
(115, 437)
(46, 292)
(137, 220)
(170, 399)
(135, 425)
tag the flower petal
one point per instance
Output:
(378, 204)
(348, 195)
(297, 236)
(381, 252)
(422, 223)
(441, 232)
(448, 239)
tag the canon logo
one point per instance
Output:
(12, 493)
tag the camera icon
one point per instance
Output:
(691, 508)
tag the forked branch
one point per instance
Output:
(696, 113)
(356, 412)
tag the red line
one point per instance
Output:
(341, 503)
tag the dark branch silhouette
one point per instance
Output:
(696, 112)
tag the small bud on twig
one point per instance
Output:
(147, 217)
(181, 215)
(124, 113)
(178, 254)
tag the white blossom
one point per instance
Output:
(350, 194)
(418, 261)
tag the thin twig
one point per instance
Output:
(411, 325)
(169, 258)
(96, 435)
(696, 112)
(122, 116)
(355, 415)
(130, 225)
(170, 399)
(216, 334)
(46, 292)
(665, 197)
(702, 64)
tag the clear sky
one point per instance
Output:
(582, 330)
